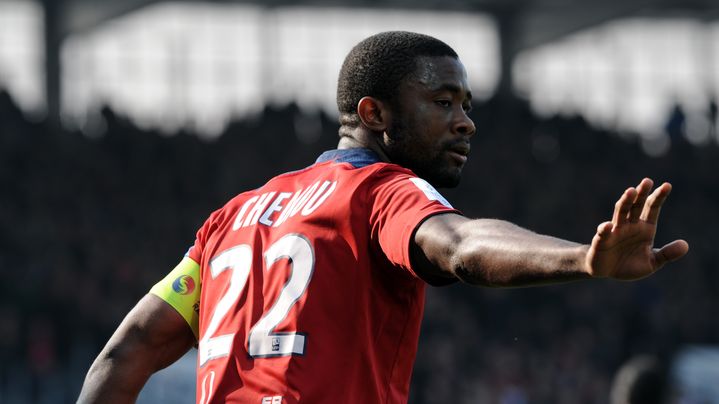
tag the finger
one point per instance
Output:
(654, 203)
(622, 207)
(670, 252)
(604, 229)
(643, 190)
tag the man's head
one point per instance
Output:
(641, 380)
(376, 66)
(410, 92)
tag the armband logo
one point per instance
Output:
(184, 285)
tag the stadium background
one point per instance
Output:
(123, 124)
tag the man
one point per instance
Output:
(311, 288)
(643, 379)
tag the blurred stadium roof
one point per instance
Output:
(521, 25)
(528, 22)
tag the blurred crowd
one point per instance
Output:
(89, 223)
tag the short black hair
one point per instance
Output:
(376, 66)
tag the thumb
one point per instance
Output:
(671, 252)
(605, 229)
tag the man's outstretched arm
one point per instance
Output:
(492, 252)
(151, 337)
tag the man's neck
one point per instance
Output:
(363, 140)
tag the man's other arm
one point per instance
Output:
(497, 253)
(151, 337)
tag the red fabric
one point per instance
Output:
(362, 307)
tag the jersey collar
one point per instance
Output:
(358, 157)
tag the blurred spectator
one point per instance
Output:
(676, 124)
(713, 115)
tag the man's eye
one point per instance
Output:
(467, 107)
(444, 103)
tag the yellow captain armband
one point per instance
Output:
(181, 290)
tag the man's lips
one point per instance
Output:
(459, 153)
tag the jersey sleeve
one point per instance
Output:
(181, 290)
(401, 201)
(195, 252)
(181, 287)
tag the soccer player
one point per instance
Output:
(311, 288)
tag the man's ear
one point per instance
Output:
(373, 113)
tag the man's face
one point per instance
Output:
(430, 129)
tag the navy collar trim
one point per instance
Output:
(358, 157)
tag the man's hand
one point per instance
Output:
(624, 248)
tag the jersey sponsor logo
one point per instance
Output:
(184, 285)
(429, 191)
(273, 208)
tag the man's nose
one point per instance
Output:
(465, 126)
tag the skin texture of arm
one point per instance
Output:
(496, 253)
(151, 337)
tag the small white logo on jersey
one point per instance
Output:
(272, 400)
(429, 191)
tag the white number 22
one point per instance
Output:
(261, 342)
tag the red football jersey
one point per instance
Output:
(307, 291)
